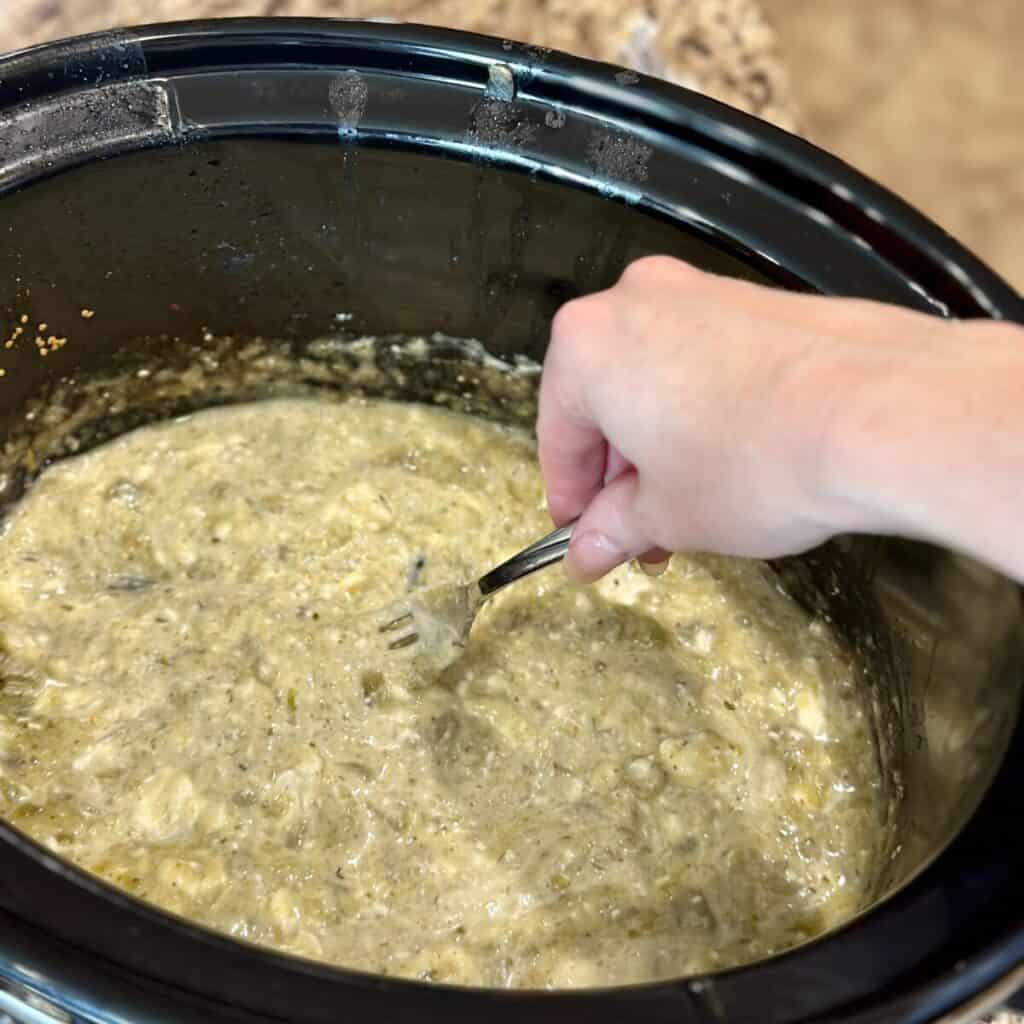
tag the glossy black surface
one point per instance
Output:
(237, 205)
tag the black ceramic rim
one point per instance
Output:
(953, 931)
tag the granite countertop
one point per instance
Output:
(724, 48)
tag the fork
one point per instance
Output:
(438, 620)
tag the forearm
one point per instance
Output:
(928, 442)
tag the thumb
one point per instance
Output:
(609, 532)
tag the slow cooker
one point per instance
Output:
(294, 178)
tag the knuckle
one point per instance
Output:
(571, 323)
(580, 332)
(659, 270)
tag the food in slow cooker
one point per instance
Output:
(616, 784)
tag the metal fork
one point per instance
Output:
(439, 619)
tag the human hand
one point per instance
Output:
(685, 411)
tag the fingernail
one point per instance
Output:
(654, 569)
(590, 556)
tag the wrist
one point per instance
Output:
(916, 435)
(830, 413)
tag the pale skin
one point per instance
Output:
(681, 411)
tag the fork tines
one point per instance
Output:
(406, 639)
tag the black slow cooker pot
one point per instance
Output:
(292, 178)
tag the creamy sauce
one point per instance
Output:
(615, 784)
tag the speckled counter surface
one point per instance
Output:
(936, 113)
(724, 48)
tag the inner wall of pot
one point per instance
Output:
(162, 268)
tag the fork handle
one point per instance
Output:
(541, 553)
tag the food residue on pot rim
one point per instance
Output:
(44, 340)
